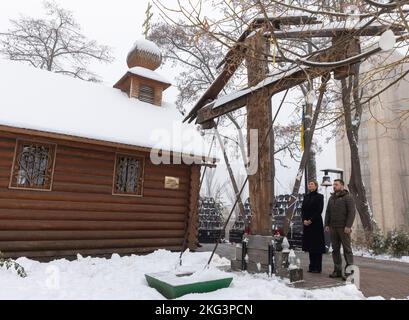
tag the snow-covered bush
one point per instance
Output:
(9, 263)
(378, 244)
(399, 242)
(395, 243)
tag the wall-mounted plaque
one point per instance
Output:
(171, 183)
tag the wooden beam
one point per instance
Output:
(259, 117)
(209, 113)
(236, 55)
(234, 59)
(193, 218)
(328, 32)
(288, 20)
(277, 22)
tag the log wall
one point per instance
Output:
(80, 214)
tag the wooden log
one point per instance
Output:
(87, 206)
(73, 151)
(290, 79)
(259, 117)
(6, 163)
(344, 46)
(107, 190)
(181, 172)
(5, 171)
(65, 168)
(47, 255)
(97, 199)
(193, 219)
(87, 235)
(166, 193)
(93, 184)
(235, 56)
(7, 144)
(207, 114)
(107, 166)
(161, 178)
(86, 244)
(6, 154)
(150, 181)
(82, 178)
(86, 161)
(89, 225)
(334, 31)
(81, 188)
(21, 214)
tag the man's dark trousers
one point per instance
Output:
(338, 237)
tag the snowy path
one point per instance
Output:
(386, 278)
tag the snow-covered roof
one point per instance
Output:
(41, 100)
(146, 45)
(149, 74)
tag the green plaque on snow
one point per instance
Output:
(173, 285)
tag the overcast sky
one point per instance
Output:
(118, 24)
(114, 23)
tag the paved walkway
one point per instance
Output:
(388, 279)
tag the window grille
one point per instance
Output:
(33, 165)
(128, 178)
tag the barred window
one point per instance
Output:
(147, 94)
(33, 166)
(128, 178)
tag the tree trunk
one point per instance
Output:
(311, 165)
(231, 175)
(352, 124)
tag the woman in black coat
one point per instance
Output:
(313, 236)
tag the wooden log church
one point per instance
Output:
(76, 175)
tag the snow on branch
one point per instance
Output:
(353, 59)
(389, 5)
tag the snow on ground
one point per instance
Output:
(123, 278)
(368, 254)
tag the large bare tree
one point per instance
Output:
(230, 16)
(54, 43)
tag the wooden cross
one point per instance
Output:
(261, 87)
